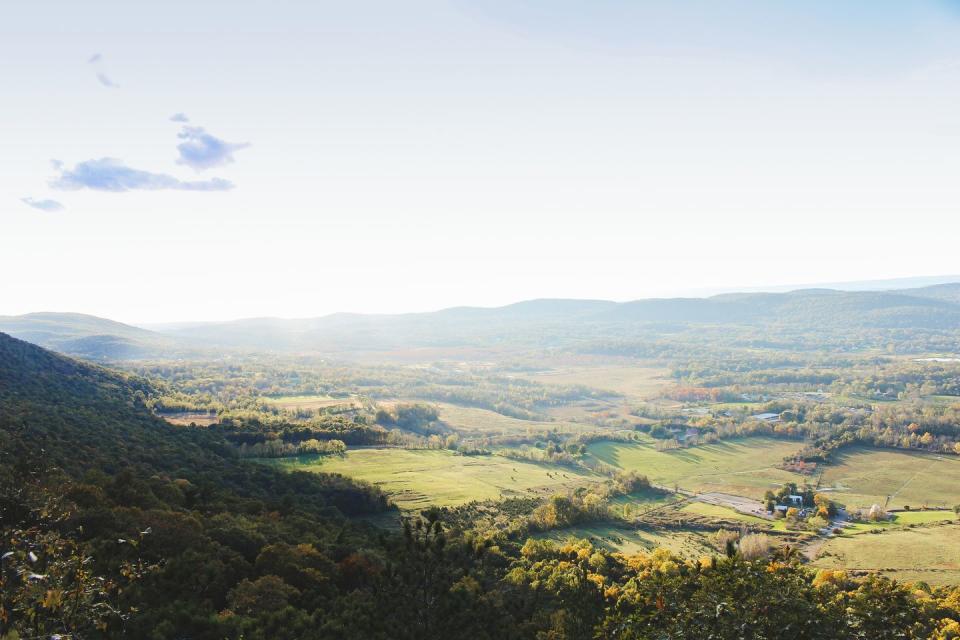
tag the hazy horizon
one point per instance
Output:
(856, 285)
(300, 159)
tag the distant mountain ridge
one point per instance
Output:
(936, 307)
(88, 336)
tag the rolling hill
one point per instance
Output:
(539, 323)
(559, 321)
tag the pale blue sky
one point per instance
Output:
(386, 156)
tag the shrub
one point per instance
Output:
(755, 546)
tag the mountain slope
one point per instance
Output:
(88, 477)
(79, 417)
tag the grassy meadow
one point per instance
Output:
(636, 504)
(632, 381)
(689, 544)
(725, 513)
(928, 553)
(860, 477)
(901, 519)
(415, 479)
(472, 421)
(745, 467)
(311, 402)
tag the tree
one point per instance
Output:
(263, 595)
(825, 507)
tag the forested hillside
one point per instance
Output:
(173, 522)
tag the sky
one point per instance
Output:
(165, 161)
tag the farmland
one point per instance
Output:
(418, 478)
(612, 537)
(632, 381)
(861, 477)
(311, 402)
(745, 467)
(717, 511)
(899, 520)
(483, 422)
(928, 553)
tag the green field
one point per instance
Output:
(641, 502)
(901, 519)
(745, 467)
(311, 402)
(690, 544)
(725, 513)
(471, 421)
(930, 553)
(633, 382)
(418, 478)
(860, 477)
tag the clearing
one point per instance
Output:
(860, 477)
(689, 544)
(742, 467)
(930, 553)
(470, 421)
(185, 418)
(633, 382)
(417, 478)
(312, 402)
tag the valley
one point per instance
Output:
(555, 431)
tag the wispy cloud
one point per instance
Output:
(107, 82)
(179, 117)
(42, 205)
(109, 174)
(201, 150)
(95, 58)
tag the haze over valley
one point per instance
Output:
(479, 320)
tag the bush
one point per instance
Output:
(755, 546)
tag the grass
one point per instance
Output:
(416, 479)
(640, 502)
(745, 467)
(689, 544)
(633, 382)
(309, 402)
(901, 519)
(483, 422)
(860, 477)
(724, 513)
(187, 418)
(930, 553)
